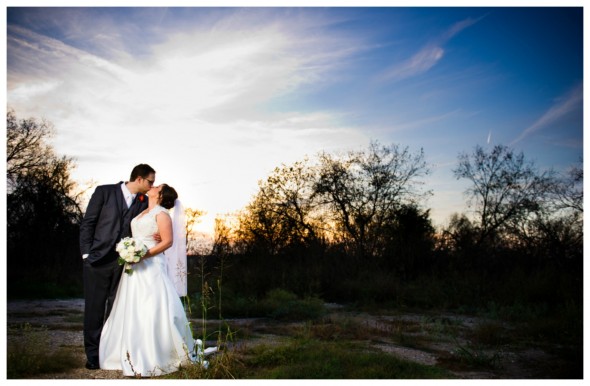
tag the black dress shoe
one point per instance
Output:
(92, 365)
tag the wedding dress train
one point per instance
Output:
(147, 332)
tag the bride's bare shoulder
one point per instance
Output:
(162, 211)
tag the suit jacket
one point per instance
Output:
(107, 220)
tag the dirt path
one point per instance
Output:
(426, 339)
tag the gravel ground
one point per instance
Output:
(63, 322)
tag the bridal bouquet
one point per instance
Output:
(130, 252)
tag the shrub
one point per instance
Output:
(284, 305)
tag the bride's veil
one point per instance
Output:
(176, 254)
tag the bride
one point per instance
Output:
(147, 333)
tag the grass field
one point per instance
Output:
(45, 341)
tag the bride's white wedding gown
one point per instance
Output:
(147, 331)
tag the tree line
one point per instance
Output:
(351, 226)
(354, 226)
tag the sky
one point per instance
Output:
(214, 98)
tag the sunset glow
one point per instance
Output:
(216, 98)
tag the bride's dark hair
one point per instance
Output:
(167, 196)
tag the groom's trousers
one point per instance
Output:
(100, 288)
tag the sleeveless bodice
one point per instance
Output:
(144, 226)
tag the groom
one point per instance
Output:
(107, 220)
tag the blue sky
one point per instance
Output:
(215, 98)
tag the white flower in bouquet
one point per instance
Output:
(130, 252)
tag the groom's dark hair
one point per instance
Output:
(141, 170)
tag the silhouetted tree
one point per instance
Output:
(316, 222)
(556, 235)
(285, 211)
(193, 217)
(505, 189)
(460, 233)
(409, 242)
(27, 150)
(43, 206)
(569, 191)
(224, 240)
(364, 189)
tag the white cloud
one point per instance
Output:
(428, 56)
(193, 108)
(419, 63)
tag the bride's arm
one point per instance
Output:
(165, 230)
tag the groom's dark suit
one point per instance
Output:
(106, 221)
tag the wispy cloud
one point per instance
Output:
(428, 56)
(194, 99)
(231, 65)
(419, 63)
(560, 109)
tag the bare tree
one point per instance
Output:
(505, 188)
(364, 189)
(27, 150)
(569, 191)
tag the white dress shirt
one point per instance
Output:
(127, 194)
